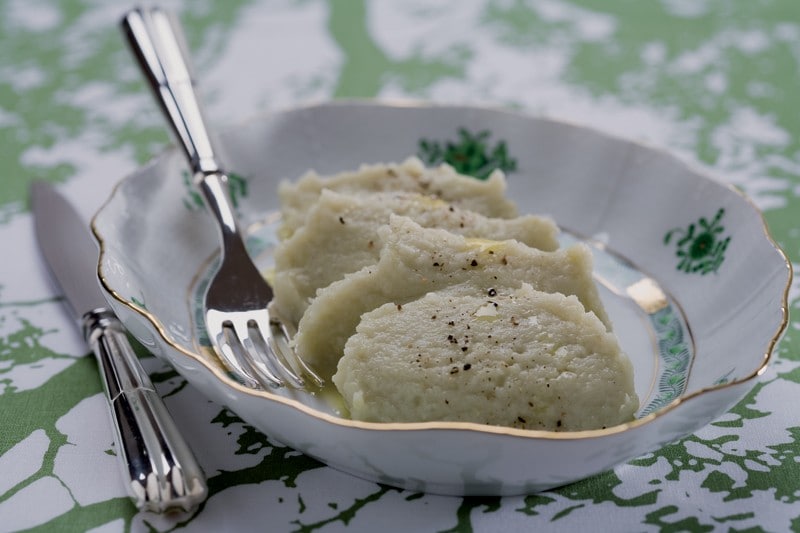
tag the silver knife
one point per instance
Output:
(160, 470)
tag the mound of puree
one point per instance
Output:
(485, 197)
(416, 260)
(340, 236)
(422, 296)
(519, 358)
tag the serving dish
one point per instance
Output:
(694, 285)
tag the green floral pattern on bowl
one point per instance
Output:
(701, 246)
(470, 155)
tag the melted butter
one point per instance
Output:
(486, 312)
(431, 201)
(481, 245)
(269, 275)
(330, 395)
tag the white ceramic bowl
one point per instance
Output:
(695, 286)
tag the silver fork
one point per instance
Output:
(243, 331)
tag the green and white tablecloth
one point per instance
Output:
(716, 81)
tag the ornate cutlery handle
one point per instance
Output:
(162, 473)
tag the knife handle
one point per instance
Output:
(159, 468)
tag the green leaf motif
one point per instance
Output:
(138, 301)
(469, 155)
(237, 186)
(675, 356)
(700, 247)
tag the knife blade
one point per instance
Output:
(160, 470)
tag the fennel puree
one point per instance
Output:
(423, 297)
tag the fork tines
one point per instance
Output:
(256, 359)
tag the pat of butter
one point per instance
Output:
(485, 246)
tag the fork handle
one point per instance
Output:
(160, 471)
(157, 43)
